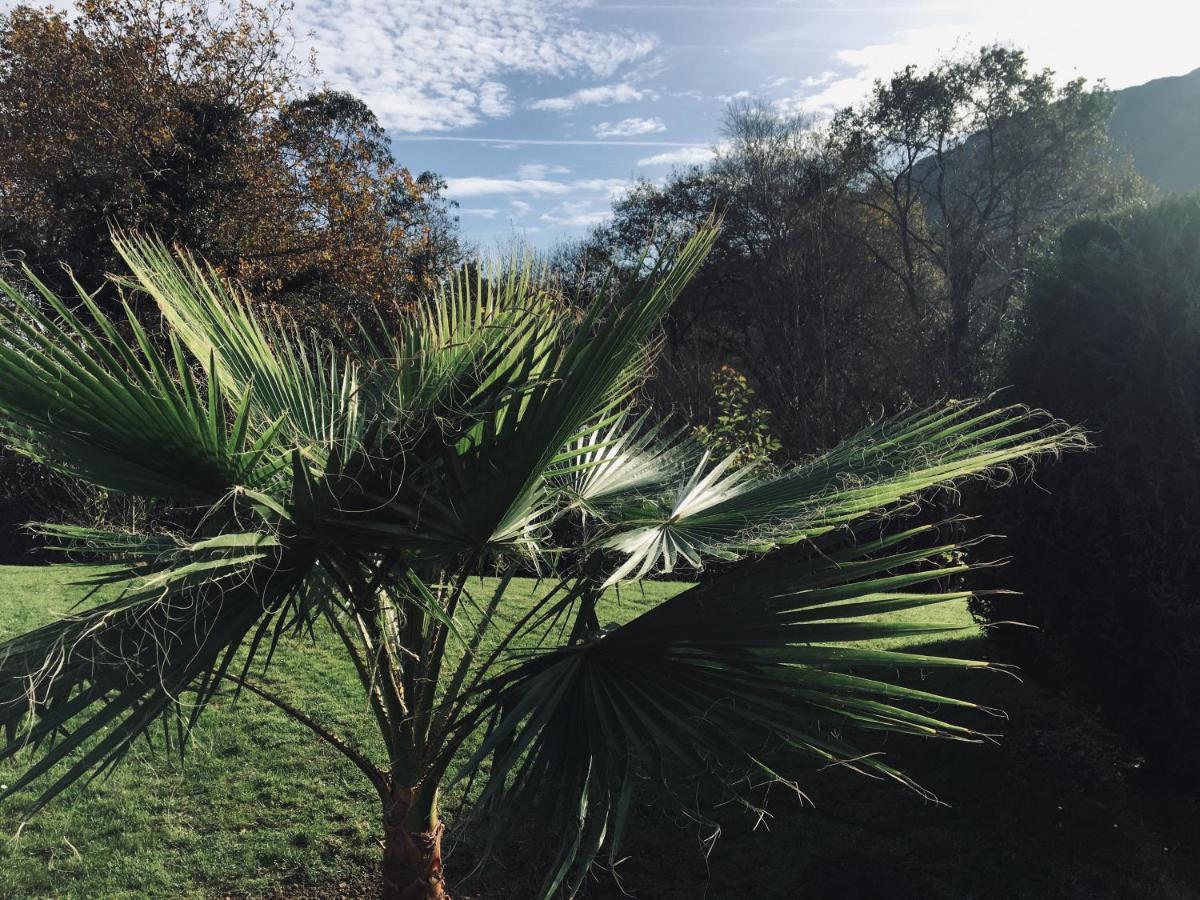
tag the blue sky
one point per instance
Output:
(539, 112)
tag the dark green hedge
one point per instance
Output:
(1109, 554)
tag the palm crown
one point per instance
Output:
(362, 482)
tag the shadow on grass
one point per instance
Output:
(1056, 808)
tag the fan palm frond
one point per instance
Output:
(111, 409)
(722, 684)
(724, 514)
(364, 482)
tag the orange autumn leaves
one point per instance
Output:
(188, 119)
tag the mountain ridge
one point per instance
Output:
(1158, 124)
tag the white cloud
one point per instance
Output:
(1073, 37)
(432, 65)
(513, 143)
(772, 83)
(684, 156)
(541, 170)
(519, 208)
(817, 80)
(483, 212)
(629, 128)
(483, 186)
(575, 214)
(480, 186)
(611, 187)
(861, 67)
(493, 100)
(601, 95)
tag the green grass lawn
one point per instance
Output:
(258, 800)
(259, 807)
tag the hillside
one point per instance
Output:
(1158, 123)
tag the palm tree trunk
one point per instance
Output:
(412, 854)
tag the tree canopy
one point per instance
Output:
(879, 259)
(193, 120)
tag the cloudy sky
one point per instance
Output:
(538, 112)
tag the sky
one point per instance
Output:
(539, 112)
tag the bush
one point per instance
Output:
(33, 492)
(1109, 554)
(27, 491)
(740, 426)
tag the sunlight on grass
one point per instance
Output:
(257, 800)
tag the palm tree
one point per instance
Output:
(362, 484)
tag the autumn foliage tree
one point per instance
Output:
(189, 118)
(199, 122)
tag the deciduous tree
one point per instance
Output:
(189, 118)
(971, 164)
